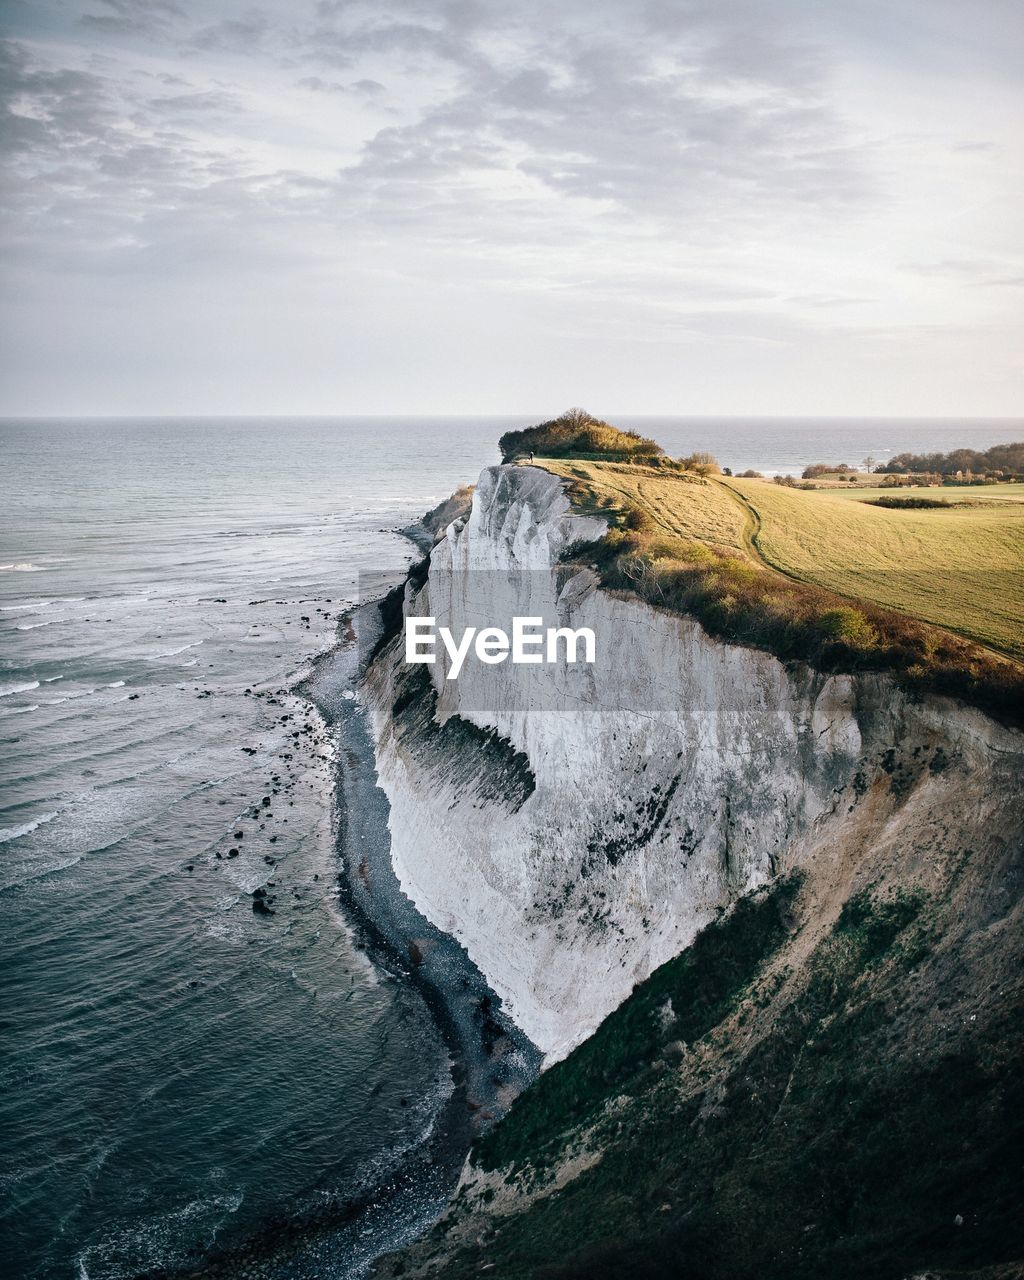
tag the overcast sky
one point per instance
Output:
(706, 207)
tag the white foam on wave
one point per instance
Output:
(22, 608)
(23, 566)
(158, 1239)
(7, 689)
(117, 684)
(70, 697)
(170, 653)
(34, 626)
(13, 833)
(17, 711)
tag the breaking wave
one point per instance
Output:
(12, 833)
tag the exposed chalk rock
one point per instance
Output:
(574, 826)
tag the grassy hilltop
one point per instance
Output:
(577, 434)
(934, 594)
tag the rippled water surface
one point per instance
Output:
(177, 1067)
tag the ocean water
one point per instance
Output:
(177, 1069)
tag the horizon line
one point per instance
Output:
(384, 414)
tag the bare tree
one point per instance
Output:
(640, 571)
(577, 417)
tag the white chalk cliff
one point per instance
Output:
(574, 826)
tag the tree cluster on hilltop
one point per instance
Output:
(577, 432)
(1006, 459)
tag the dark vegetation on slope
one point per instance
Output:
(577, 434)
(738, 601)
(454, 507)
(830, 1144)
(391, 606)
(912, 504)
(701, 984)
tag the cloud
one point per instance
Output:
(513, 139)
(98, 175)
(361, 88)
(642, 133)
(1003, 282)
(206, 102)
(47, 112)
(662, 170)
(132, 17)
(245, 35)
(982, 273)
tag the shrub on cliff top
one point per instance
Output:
(911, 504)
(849, 626)
(704, 464)
(577, 432)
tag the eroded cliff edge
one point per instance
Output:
(576, 826)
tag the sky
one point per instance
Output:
(749, 207)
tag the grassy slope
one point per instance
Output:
(682, 504)
(960, 569)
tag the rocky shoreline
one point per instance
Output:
(490, 1061)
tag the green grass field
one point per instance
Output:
(953, 494)
(960, 569)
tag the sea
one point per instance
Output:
(196, 1040)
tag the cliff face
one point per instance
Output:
(575, 826)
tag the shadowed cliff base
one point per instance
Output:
(804, 1091)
